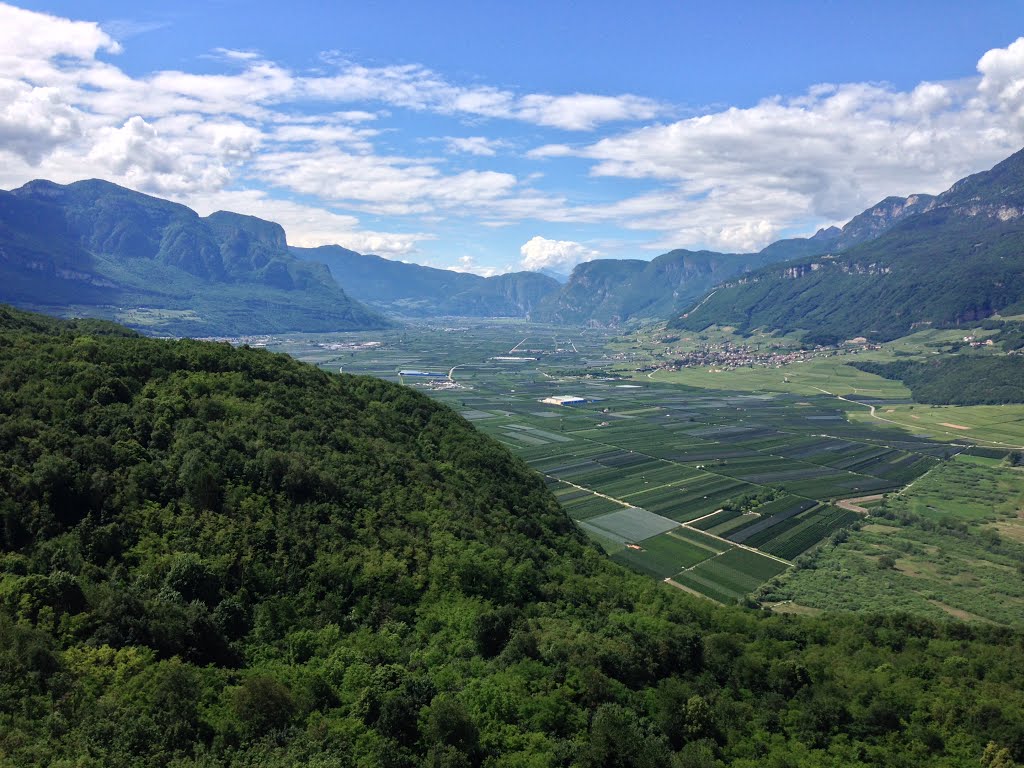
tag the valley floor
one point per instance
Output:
(717, 482)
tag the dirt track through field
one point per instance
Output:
(853, 505)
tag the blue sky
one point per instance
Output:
(500, 136)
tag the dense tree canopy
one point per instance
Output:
(957, 379)
(222, 557)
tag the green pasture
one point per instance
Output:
(999, 426)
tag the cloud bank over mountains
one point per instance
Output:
(324, 153)
(559, 255)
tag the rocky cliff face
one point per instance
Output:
(93, 244)
(880, 218)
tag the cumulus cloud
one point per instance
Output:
(383, 184)
(474, 145)
(310, 226)
(560, 255)
(137, 154)
(471, 265)
(737, 178)
(1002, 77)
(34, 121)
(30, 36)
(584, 112)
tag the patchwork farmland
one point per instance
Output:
(712, 491)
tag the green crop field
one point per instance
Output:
(1001, 426)
(798, 534)
(716, 519)
(663, 556)
(731, 575)
(711, 543)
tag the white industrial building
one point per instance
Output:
(564, 400)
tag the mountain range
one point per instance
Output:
(414, 290)
(923, 261)
(93, 248)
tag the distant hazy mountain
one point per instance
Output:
(561, 277)
(957, 257)
(415, 290)
(94, 248)
(605, 291)
(611, 291)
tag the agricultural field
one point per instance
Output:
(998, 426)
(952, 544)
(713, 488)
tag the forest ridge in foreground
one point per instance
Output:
(224, 557)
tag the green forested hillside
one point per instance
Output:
(415, 290)
(957, 379)
(952, 259)
(213, 556)
(610, 291)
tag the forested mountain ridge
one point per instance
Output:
(612, 291)
(416, 290)
(956, 258)
(603, 291)
(213, 556)
(96, 248)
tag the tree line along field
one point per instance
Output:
(712, 490)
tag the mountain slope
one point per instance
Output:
(213, 556)
(958, 257)
(412, 289)
(611, 291)
(97, 248)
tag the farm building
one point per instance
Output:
(564, 400)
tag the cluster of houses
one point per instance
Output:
(727, 356)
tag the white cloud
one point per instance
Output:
(475, 145)
(309, 226)
(470, 264)
(737, 178)
(1002, 81)
(414, 86)
(325, 134)
(584, 111)
(138, 155)
(29, 36)
(551, 150)
(560, 255)
(382, 184)
(34, 121)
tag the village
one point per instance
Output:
(728, 356)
